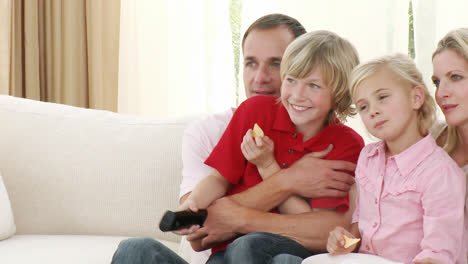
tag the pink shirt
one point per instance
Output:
(411, 207)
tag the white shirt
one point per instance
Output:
(200, 138)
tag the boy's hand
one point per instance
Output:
(188, 204)
(258, 150)
(336, 242)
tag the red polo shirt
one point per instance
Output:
(274, 120)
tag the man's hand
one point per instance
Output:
(223, 217)
(313, 177)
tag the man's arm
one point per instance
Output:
(308, 177)
(227, 219)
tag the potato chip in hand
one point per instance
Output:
(257, 131)
(350, 241)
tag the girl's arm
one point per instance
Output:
(209, 189)
(443, 202)
(336, 240)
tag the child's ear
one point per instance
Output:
(417, 97)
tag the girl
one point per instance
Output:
(314, 97)
(410, 192)
(450, 76)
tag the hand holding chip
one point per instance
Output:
(340, 241)
(258, 148)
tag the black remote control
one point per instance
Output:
(177, 220)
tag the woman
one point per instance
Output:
(450, 76)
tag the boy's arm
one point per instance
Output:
(259, 151)
(209, 189)
(294, 204)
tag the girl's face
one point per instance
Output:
(451, 79)
(308, 101)
(387, 106)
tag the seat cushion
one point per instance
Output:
(55, 249)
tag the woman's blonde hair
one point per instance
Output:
(406, 70)
(336, 58)
(457, 41)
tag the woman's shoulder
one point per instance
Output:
(439, 132)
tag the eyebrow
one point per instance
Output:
(253, 58)
(447, 73)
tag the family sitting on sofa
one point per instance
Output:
(290, 194)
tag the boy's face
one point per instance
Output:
(308, 101)
(386, 106)
(263, 50)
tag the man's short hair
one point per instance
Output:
(273, 21)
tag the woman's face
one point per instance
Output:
(451, 79)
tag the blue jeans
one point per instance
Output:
(286, 259)
(145, 251)
(260, 248)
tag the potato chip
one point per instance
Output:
(257, 131)
(350, 241)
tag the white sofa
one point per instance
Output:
(81, 180)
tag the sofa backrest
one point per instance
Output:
(71, 170)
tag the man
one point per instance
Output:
(263, 45)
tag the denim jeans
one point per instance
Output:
(145, 251)
(260, 248)
(286, 259)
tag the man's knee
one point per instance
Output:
(139, 244)
(249, 241)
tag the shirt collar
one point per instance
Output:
(283, 123)
(411, 157)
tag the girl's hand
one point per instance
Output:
(258, 151)
(336, 242)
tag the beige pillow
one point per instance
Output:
(7, 222)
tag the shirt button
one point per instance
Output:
(367, 247)
(375, 201)
(290, 150)
(374, 225)
(294, 135)
(285, 165)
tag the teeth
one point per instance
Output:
(299, 108)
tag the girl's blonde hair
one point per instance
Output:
(406, 70)
(457, 41)
(336, 58)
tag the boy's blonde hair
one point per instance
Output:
(336, 58)
(457, 41)
(406, 70)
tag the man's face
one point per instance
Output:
(263, 50)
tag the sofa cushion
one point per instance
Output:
(61, 249)
(7, 223)
(71, 170)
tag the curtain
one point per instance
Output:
(176, 57)
(5, 16)
(65, 51)
(432, 20)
